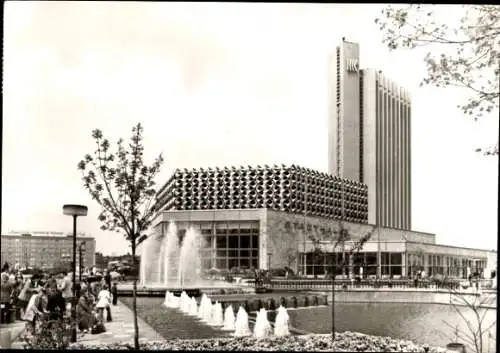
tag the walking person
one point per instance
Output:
(67, 290)
(104, 302)
(114, 291)
(107, 278)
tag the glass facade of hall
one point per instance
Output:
(226, 245)
(445, 265)
(393, 264)
(320, 264)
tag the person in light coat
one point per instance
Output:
(36, 308)
(104, 302)
(67, 290)
(25, 295)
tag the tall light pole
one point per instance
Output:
(339, 174)
(74, 211)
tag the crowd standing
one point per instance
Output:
(45, 297)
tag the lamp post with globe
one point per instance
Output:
(74, 211)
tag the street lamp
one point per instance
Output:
(75, 211)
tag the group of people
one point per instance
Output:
(95, 298)
(49, 297)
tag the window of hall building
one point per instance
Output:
(236, 245)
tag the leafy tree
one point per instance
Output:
(469, 56)
(124, 187)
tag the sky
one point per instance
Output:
(216, 84)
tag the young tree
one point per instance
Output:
(124, 187)
(290, 256)
(340, 239)
(474, 330)
(469, 56)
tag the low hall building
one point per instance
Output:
(276, 217)
(262, 238)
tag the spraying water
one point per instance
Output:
(162, 255)
(189, 260)
(179, 265)
(185, 301)
(171, 250)
(145, 259)
(204, 312)
(171, 301)
(229, 319)
(193, 307)
(217, 318)
(241, 325)
(281, 322)
(167, 299)
(262, 327)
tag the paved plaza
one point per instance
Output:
(120, 330)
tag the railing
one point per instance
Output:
(321, 284)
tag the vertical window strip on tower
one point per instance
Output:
(337, 107)
(361, 112)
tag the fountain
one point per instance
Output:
(184, 302)
(171, 301)
(217, 318)
(177, 266)
(168, 262)
(200, 307)
(229, 319)
(168, 299)
(170, 248)
(145, 260)
(241, 325)
(205, 310)
(262, 327)
(162, 255)
(281, 322)
(189, 261)
(193, 307)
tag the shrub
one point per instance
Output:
(49, 334)
(322, 300)
(291, 302)
(278, 272)
(271, 304)
(246, 305)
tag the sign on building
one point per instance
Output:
(352, 65)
